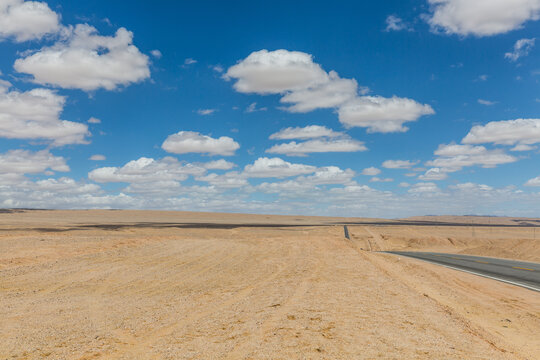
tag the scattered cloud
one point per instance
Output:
(305, 86)
(193, 142)
(522, 47)
(34, 114)
(276, 168)
(156, 53)
(253, 108)
(307, 132)
(481, 17)
(27, 20)
(220, 164)
(486, 102)
(399, 164)
(94, 120)
(317, 146)
(377, 179)
(454, 157)
(98, 157)
(371, 171)
(147, 170)
(395, 23)
(87, 61)
(22, 162)
(379, 114)
(482, 77)
(206, 111)
(433, 174)
(509, 132)
(190, 61)
(533, 182)
(218, 68)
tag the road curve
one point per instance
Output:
(520, 273)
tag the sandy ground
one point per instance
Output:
(166, 285)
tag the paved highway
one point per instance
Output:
(520, 273)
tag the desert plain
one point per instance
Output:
(109, 284)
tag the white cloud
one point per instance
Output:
(156, 53)
(454, 157)
(371, 171)
(482, 77)
(94, 120)
(147, 170)
(395, 23)
(399, 164)
(193, 142)
(253, 108)
(229, 180)
(27, 20)
(380, 114)
(521, 48)
(486, 102)
(509, 132)
(317, 146)
(328, 175)
(307, 132)
(275, 167)
(378, 179)
(206, 111)
(220, 164)
(15, 163)
(87, 61)
(34, 114)
(190, 61)
(481, 17)
(274, 72)
(533, 182)
(424, 188)
(334, 92)
(306, 87)
(97, 157)
(433, 174)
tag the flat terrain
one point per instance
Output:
(176, 285)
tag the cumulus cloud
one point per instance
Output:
(305, 86)
(395, 23)
(522, 47)
(27, 20)
(533, 182)
(14, 164)
(371, 171)
(481, 17)
(520, 132)
(294, 148)
(220, 164)
(424, 188)
(229, 180)
(87, 61)
(454, 157)
(34, 114)
(275, 167)
(307, 132)
(379, 114)
(433, 174)
(147, 170)
(97, 157)
(378, 179)
(274, 72)
(193, 142)
(399, 164)
(328, 94)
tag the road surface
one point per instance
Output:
(520, 273)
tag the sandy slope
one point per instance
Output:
(163, 285)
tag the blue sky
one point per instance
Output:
(383, 109)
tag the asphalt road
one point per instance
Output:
(520, 273)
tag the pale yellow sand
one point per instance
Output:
(162, 285)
